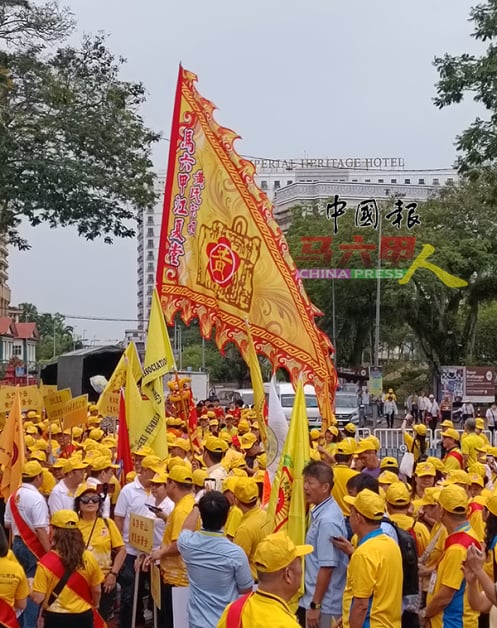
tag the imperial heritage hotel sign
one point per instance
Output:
(354, 163)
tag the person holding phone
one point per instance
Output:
(161, 507)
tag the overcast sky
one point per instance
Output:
(320, 77)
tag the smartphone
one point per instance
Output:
(154, 509)
(210, 484)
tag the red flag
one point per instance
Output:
(123, 450)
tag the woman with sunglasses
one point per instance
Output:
(103, 540)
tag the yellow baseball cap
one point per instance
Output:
(491, 504)
(451, 433)
(66, 519)
(160, 478)
(453, 499)
(397, 494)
(447, 423)
(143, 451)
(389, 462)
(102, 462)
(39, 455)
(420, 429)
(457, 476)
(29, 441)
(430, 496)
(152, 462)
(216, 445)
(315, 434)
(247, 441)
(182, 443)
(226, 436)
(199, 476)
(246, 491)
(480, 424)
(85, 487)
(366, 444)
(180, 474)
(31, 469)
(387, 477)
(437, 463)
(477, 467)
(346, 447)
(243, 426)
(475, 478)
(368, 504)
(55, 429)
(229, 483)
(424, 469)
(73, 464)
(351, 428)
(276, 551)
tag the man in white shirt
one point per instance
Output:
(214, 450)
(491, 417)
(431, 412)
(26, 514)
(62, 495)
(132, 500)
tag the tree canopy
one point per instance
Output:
(73, 146)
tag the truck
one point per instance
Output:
(199, 383)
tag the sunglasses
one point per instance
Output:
(87, 499)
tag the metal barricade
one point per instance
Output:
(362, 432)
(392, 442)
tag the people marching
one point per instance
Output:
(388, 543)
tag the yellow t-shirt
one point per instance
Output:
(458, 613)
(234, 517)
(405, 522)
(13, 581)
(173, 568)
(438, 549)
(451, 461)
(469, 445)
(67, 601)
(342, 474)
(104, 539)
(262, 610)
(373, 574)
(412, 445)
(253, 527)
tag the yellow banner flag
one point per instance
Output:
(12, 450)
(222, 257)
(75, 411)
(286, 509)
(118, 378)
(7, 396)
(31, 398)
(144, 422)
(260, 407)
(109, 404)
(54, 404)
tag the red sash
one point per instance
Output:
(473, 507)
(461, 538)
(457, 455)
(7, 615)
(29, 537)
(76, 583)
(234, 615)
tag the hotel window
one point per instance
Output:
(421, 181)
(450, 180)
(407, 181)
(393, 180)
(367, 180)
(263, 185)
(381, 180)
(276, 185)
(436, 182)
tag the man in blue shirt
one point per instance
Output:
(218, 570)
(326, 566)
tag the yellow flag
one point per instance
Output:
(159, 360)
(257, 386)
(118, 377)
(286, 507)
(75, 411)
(222, 257)
(143, 421)
(12, 450)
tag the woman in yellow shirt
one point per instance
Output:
(67, 579)
(14, 588)
(103, 539)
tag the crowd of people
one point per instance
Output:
(384, 547)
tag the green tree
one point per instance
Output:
(473, 74)
(73, 146)
(55, 336)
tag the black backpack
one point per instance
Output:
(409, 550)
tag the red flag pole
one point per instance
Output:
(124, 458)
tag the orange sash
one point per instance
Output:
(76, 583)
(234, 615)
(29, 537)
(7, 615)
(461, 538)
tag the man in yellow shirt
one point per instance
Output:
(447, 603)
(179, 488)
(253, 525)
(279, 572)
(453, 459)
(398, 501)
(342, 472)
(470, 442)
(373, 593)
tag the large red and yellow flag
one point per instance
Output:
(223, 258)
(12, 450)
